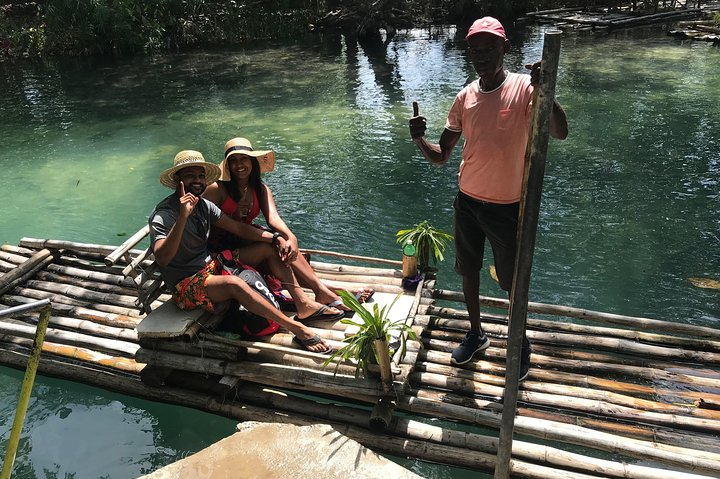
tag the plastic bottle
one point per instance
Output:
(409, 260)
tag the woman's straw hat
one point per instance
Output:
(242, 146)
(189, 158)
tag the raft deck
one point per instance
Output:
(645, 391)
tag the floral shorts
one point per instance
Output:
(190, 293)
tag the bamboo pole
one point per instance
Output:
(357, 278)
(563, 390)
(71, 338)
(99, 287)
(82, 293)
(350, 286)
(579, 313)
(457, 319)
(245, 412)
(45, 309)
(27, 269)
(351, 256)
(96, 316)
(688, 459)
(554, 375)
(124, 248)
(535, 154)
(341, 269)
(71, 245)
(84, 355)
(650, 433)
(271, 374)
(600, 343)
(591, 362)
(86, 326)
(468, 386)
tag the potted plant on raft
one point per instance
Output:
(429, 242)
(371, 342)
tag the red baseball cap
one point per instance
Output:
(486, 25)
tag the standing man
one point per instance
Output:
(179, 229)
(493, 115)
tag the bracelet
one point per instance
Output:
(275, 237)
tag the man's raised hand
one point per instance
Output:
(418, 123)
(535, 69)
(187, 201)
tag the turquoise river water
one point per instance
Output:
(630, 211)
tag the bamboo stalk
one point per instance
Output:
(113, 279)
(26, 270)
(601, 343)
(457, 320)
(351, 256)
(552, 309)
(124, 249)
(467, 386)
(415, 430)
(74, 353)
(85, 326)
(270, 374)
(699, 443)
(334, 284)
(70, 245)
(570, 391)
(592, 362)
(67, 337)
(244, 411)
(689, 459)
(82, 293)
(584, 380)
(341, 269)
(50, 277)
(96, 316)
(142, 259)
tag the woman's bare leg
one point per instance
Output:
(222, 288)
(258, 253)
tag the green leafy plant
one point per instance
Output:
(374, 326)
(429, 241)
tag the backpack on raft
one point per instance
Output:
(251, 325)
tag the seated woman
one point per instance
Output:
(241, 194)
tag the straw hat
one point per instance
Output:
(242, 146)
(189, 158)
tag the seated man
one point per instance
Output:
(179, 228)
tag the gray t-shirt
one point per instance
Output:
(192, 254)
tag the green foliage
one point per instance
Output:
(429, 241)
(89, 27)
(374, 325)
(716, 19)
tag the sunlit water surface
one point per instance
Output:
(630, 206)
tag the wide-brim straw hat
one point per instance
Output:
(242, 146)
(185, 159)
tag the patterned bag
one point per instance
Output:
(252, 324)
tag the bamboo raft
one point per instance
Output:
(607, 396)
(604, 19)
(700, 30)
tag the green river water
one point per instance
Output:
(631, 205)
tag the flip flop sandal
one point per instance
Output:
(306, 343)
(319, 316)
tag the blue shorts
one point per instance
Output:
(475, 220)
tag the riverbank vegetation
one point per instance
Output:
(124, 27)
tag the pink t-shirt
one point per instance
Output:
(495, 126)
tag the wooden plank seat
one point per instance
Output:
(166, 321)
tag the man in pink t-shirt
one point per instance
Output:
(492, 114)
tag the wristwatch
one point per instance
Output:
(275, 237)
